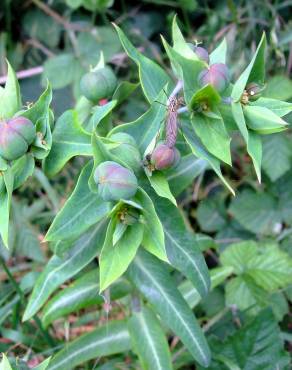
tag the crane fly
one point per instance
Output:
(171, 122)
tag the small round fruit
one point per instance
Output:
(98, 84)
(217, 75)
(163, 157)
(16, 135)
(115, 182)
(127, 150)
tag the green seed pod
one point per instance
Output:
(98, 84)
(16, 135)
(127, 150)
(115, 182)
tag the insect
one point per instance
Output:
(171, 122)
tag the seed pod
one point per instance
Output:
(217, 75)
(127, 151)
(115, 182)
(202, 54)
(163, 157)
(16, 135)
(99, 84)
(254, 91)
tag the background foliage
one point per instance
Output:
(246, 239)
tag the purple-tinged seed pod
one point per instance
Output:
(163, 157)
(16, 135)
(202, 54)
(217, 75)
(115, 182)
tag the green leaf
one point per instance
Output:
(186, 70)
(156, 284)
(6, 188)
(107, 340)
(99, 113)
(208, 95)
(180, 177)
(182, 249)
(257, 212)
(22, 169)
(10, 98)
(213, 135)
(211, 214)
(115, 259)
(160, 184)
(277, 155)
(279, 87)
(254, 72)
(58, 270)
(149, 341)
(280, 108)
(81, 294)
(239, 255)
(140, 129)
(256, 346)
(252, 139)
(262, 120)
(199, 151)
(41, 115)
(69, 140)
(123, 91)
(61, 70)
(219, 54)
(152, 77)
(153, 239)
(5, 365)
(82, 210)
(179, 43)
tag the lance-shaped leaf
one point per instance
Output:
(200, 152)
(206, 95)
(140, 129)
(186, 69)
(182, 249)
(10, 98)
(107, 340)
(280, 108)
(6, 188)
(152, 77)
(153, 238)
(22, 169)
(115, 259)
(41, 115)
(99, 113)
(252, 139)
(185, 172)
(254, 72)
(81, 294)
(160, 184)
(262, 120)
(123, 91)
(4, 364)
(58, 270)
(219, 54)
(179, 43)
(152, 278)
(82, 210)
(69, 140)
(213, 135)
(149, 340)
(44, 365)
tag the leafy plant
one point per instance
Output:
(124, 210)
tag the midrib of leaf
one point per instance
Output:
(190, 259)
(149, 339)
(76, 214)
(121, 335)
(51, 273)
(172, 306)
(63, 300)
(185, 169)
